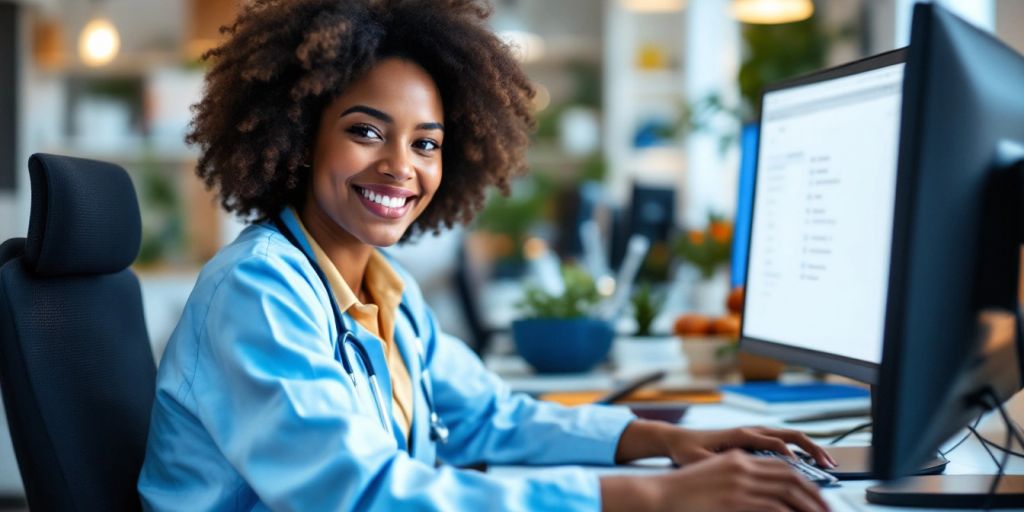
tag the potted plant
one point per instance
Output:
(708, 250)
(556, 333)
(645, 350)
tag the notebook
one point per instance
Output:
(776, 398)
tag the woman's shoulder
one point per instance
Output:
(259, 250)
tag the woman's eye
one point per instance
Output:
(427, 145)
(364, 131)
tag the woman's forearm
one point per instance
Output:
(643, 438)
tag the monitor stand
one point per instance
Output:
(854, 463)
(950, 491)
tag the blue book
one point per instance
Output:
(776, 398)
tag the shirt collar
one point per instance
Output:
(382, 283)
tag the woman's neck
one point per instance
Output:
(349, 254)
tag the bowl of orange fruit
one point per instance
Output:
(711, 344)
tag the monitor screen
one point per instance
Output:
(822, 220)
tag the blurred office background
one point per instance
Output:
(641, 106)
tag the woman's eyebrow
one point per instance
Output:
(386, 118)
(430, 126)
(368, 111)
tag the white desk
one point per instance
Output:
(968, 458)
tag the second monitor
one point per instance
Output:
(821, 229)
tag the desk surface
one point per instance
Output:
(968, 458)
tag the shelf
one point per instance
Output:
(662, 83)
(131, 150)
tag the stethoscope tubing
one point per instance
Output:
(347, 338)
(438, 430)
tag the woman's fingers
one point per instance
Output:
(777, 479)
(800, 439)
(736, 481)
(756, 439)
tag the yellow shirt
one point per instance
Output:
(384, 287)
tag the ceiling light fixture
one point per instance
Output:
(653, 5)
(770, 12)
(99, 41)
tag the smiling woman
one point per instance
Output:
(306, 372)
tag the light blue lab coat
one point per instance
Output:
(253, 411)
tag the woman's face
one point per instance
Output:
(377, 156)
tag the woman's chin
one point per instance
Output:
(383, 238)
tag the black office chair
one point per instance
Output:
(76, 368)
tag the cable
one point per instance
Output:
(996, 445)
(1011, 426)
(850, 432)
(970, 429)
(1011, 433)
(999, 474)
(985, 445)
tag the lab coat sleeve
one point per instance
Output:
(490, 424)
(281, 409)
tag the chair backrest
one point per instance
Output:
(76, 368)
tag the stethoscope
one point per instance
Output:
(438, 430)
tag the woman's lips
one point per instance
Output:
(381, 210)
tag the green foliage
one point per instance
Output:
(128, 90)
(646, 305)
(163, 230)
(577, 301)
(708, 248)
(778, 52)
(515, 214)
(594, 168)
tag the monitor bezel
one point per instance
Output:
(857, 369)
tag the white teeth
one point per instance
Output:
(387, 201)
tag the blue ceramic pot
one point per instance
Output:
(562, 345)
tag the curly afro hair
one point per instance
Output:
(285, 60)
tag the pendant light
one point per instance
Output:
(99, 41)
(770, 12)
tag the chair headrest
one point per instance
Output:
(85, 217)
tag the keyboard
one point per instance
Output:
(805, 469)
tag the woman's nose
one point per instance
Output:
(396, 164)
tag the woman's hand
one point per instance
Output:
(655, 439)
(723, 482)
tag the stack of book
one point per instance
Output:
(796, 399)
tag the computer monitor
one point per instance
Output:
(821, 230)
(952, 323)
(918, 236)
(744, 203)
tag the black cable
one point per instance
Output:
(985, 446)
(1011, 426)
(850, 432)
(1011, 434)
(999, 475)
(970, 430)
(997, 446)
